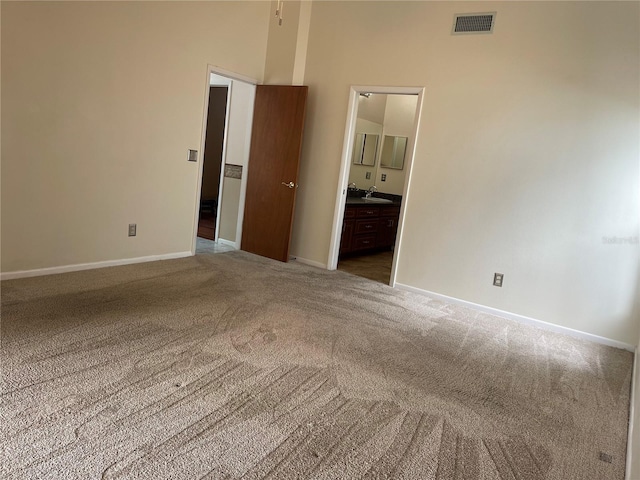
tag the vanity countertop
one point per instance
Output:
(355, 201)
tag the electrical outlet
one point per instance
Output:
(497, 279)
(132, 229)
(383, 177)
(368, 175)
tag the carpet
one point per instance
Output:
(232, 366)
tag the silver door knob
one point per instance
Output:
(290, 184)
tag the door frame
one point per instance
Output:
(343, 179)
(212, 69)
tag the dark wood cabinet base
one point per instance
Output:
(367, 228)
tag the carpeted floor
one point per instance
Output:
(232, 366)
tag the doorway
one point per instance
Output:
(378, 154)
(221, 184)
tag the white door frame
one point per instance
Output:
(341, 194)
(205, 114)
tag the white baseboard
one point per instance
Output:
(632, 421)
(521, 318)
(229, 243)
(89, 266)
(311, 263)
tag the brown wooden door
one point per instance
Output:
(276, 140)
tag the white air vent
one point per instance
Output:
(473, 23)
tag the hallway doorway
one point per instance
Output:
(226, 133)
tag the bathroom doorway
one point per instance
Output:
(374, 182)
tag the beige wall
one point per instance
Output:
(101, 102)
(283, 42)
(358, 173)
(399, 118)
(372, 108)
(229, 209)
(527, 155)
(237, 153)
(383, 114)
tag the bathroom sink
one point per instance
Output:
(377, 200)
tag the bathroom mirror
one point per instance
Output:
(393, 150)
(365, 149)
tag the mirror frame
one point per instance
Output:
(396, 162)
(360, 148)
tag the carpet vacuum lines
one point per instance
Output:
(232, 366)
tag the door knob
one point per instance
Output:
(290, 184)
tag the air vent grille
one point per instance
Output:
(474, 23)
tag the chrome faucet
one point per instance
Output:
(372, 189)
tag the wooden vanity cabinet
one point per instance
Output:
(347, 230)
(367, 227)
(388, 226)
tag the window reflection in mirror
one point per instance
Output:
(365, 149)
(393, 150)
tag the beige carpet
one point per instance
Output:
(231, 366)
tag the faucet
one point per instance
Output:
(352, 186)
(372, 189)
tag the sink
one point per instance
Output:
(377, 200)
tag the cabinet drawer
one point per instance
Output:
(368, 212)
(362, 242)
(390, 211)
(366, 226)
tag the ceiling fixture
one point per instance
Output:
(279, 8)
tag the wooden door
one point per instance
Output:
(276, 140)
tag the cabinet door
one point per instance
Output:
(387, 229)
(347, 235)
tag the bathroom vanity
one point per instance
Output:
(368, 226)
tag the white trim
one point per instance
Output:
(311, 263)
(90, 266)
(521, 318)
(229, 74)
(203, 136)
(229, 243)
(223, 161)
(245, 172)
(338, 213)
(632, 416)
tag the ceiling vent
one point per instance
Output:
(473, 23)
